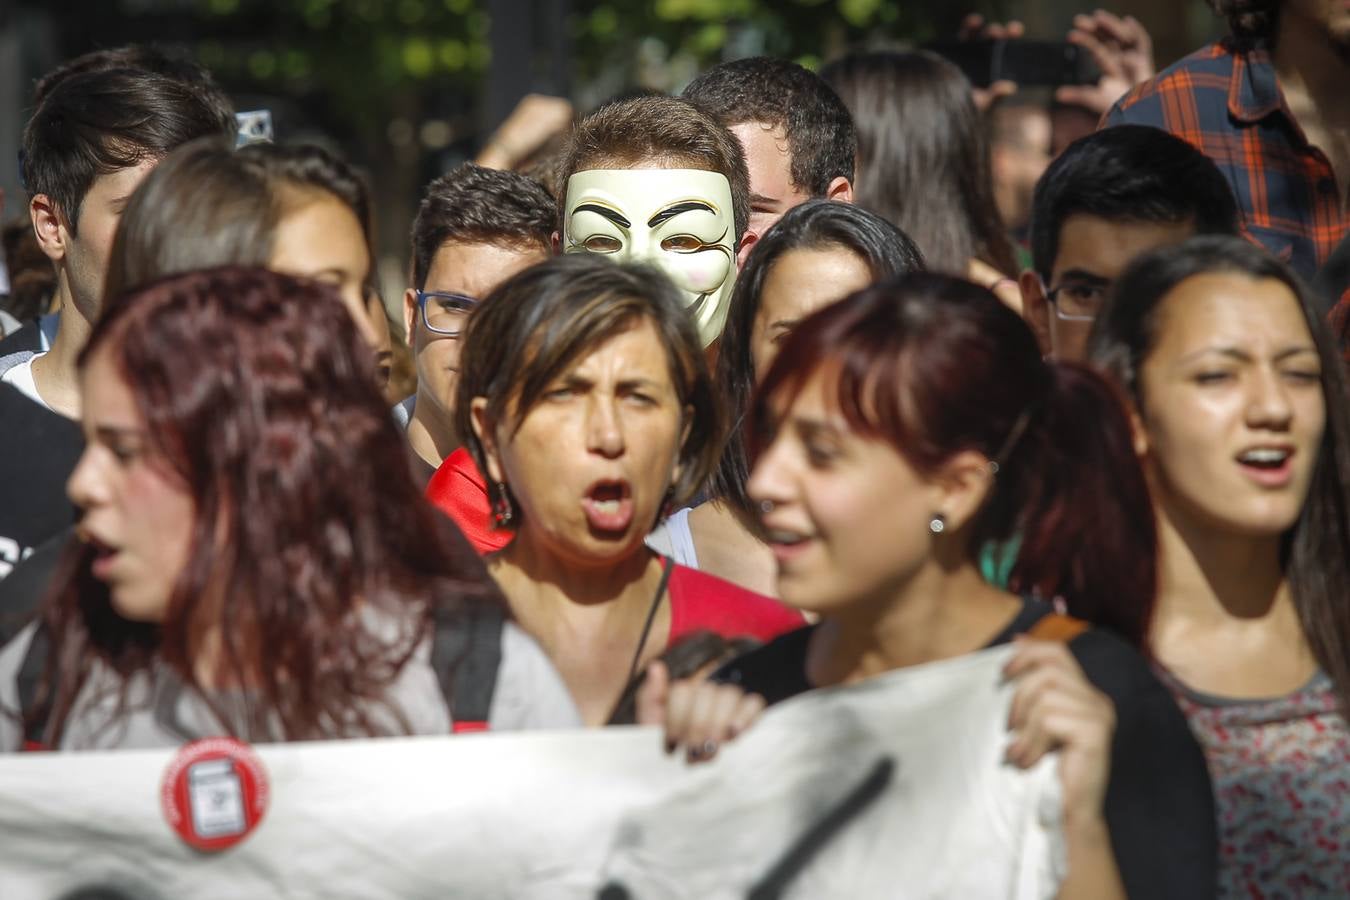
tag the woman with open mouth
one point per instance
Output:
(817, 253)
(897, 433)
(587, 403)
(1241, 403)
(253, 557)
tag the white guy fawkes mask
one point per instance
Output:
(678, 219)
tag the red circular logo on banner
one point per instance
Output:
(214, 793)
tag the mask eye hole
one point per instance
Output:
(601, 243)
(682, 243)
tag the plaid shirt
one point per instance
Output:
(1228, 105)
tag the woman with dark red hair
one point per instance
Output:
(253, 558)
(900, 432)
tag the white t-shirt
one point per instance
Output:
(21, 377)
(672, 537)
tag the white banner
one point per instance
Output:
(893, 788)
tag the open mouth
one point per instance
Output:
(1267, 465)
(609, 506)
(103, 555)
(786, 543)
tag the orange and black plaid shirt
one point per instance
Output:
(1228, 105)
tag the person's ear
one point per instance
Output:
(1138, 432)
(48, 226)
(487, 436)
(556, 241)
(1036, 309)
(410, 317)
(840, 190)
(748, 241)
(964, 481)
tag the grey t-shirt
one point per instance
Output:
(161, 712)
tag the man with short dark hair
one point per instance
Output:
(92, 140)
(38, 337)
(1269, 105)
(476, 227)
(90, 143)
(1108, 198)
(797, 134)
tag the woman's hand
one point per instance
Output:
(697, 714)
(1055, 708)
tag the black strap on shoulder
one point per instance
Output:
(35, 715)
(466, 653)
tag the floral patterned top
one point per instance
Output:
(1281, 775)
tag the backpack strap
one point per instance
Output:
(1057, 627)
(35, 715)
(466, 653)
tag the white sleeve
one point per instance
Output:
(11, 660)
(530, 694)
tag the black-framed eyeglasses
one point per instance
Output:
(1078, 301)
(445, 312)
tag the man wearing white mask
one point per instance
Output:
(655, 179)
(649, 179)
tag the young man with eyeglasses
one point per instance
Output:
(1108, 198)
(476, 227)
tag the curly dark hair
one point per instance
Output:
(479, 205)
(1250, 22)
(778, 92)
(309, 536)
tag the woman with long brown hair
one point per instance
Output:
(923, 162)
(1244, 431)
(253, 556)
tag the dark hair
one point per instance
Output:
(1129, 173)
(205, 205)
(935, 366)
(812, 225)
(97, 122)
(781, 94)
(483, 206)
(1251, 23)
(540, 321)
(923, 161)
(309, 167)
(210, 205)
(259, 394)
(668, 130)
(1317, 549)
(146, 58)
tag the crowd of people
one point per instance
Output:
(782, 384)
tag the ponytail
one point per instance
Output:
(1072, 494)
(935, 365)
